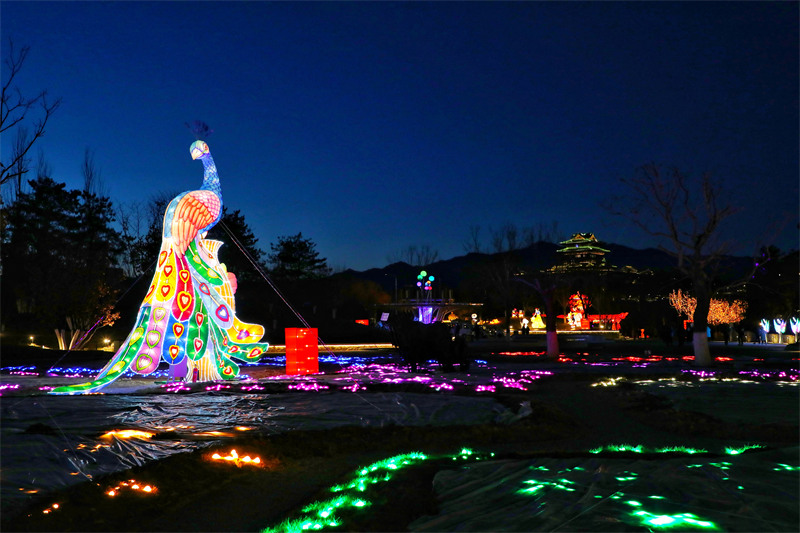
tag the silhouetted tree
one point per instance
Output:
(501, 268)
(523, 237)
(473, 242)
(417, 256)
(547, 285)
(14, 110)
(687, 215)
(773, 289)
(96, 246)
(296, 258)
(240, 243)
(59, 256)
(142, 232)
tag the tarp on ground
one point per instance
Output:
(754, 491)
(49, 442)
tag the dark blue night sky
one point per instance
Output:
(369, 126)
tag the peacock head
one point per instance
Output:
(199, 150)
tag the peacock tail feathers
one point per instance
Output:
(188, 316)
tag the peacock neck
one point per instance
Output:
(210, 177)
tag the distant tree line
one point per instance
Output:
(68, 255)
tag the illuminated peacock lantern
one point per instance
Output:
(188, 316)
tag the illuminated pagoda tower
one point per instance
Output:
(581, 252)
(584, 259)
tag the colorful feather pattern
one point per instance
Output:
(188, 317)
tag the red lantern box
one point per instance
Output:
(302, 353)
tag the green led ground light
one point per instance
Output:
(653, 520)
(658, 495)
(742, 449)
(669, 449)
(654, 511)
(350, 495)
(641, 449)
(683, 521)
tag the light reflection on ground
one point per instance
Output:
(773, 383)
(356, 372)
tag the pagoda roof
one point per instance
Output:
(580, 237)
(581, 242)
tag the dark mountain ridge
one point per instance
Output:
(450, 272)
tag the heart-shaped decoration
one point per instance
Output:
(204, 289)
(178, 329)
(168, 270)
(222, 313)
(198, 345)
(184, 275)
(184, 300)
(153, 336)
(174, 351)
(159, 313)
(228, 371)
(165, 290)
(162, 257)
(199, 317)
(150, 292)
(242, 335)
(143, 362)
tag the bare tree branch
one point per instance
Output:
(473, 243)
(666, 204)
(14, 109)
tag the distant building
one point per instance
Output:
(581, 252)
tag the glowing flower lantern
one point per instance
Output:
(302, 351)
(794, 323)
(780, 325)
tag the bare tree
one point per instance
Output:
(132, 227)
(473, 242)
(547, 284)
(686, 214)
(540, 232)
(502, 268)
(504, 239)
(92, 181)
(14, 110)
(415, 255)
(509, 236)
